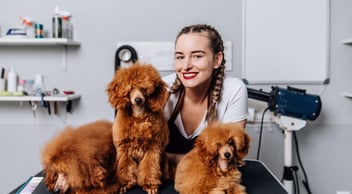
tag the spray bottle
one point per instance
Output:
(57, 23)
(28, 27)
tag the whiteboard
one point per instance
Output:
(286, 41)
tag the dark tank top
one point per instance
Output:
(178, 144)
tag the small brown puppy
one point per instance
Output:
(211, 166)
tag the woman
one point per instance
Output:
(200, 91)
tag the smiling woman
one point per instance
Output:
(200, 91)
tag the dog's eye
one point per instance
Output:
(218, 145)
(230, 142)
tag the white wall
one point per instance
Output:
(99, 25)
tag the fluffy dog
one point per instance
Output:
(211, 166)
(81, 160)
(140, 130)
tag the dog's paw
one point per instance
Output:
(123, 190)
(151, 190)
(241, 163)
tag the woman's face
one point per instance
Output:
(194, 60)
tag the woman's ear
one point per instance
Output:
(218, 58)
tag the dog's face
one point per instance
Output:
(57, 179)
(222, 144)
(138, 86)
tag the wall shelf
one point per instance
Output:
(34, 100)
(38, 42)
(54, 98)
(347, 41)
(347, 95)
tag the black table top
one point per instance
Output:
(256, 177)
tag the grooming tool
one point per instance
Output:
(16, 32)
(44, 103)
(55, 92)
(33, 107)
(2, 73)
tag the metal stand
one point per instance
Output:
(289, 125)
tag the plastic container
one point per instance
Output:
(20, 86)
(28, 27)
(12, 81)
(39, 30)
(28, 86)
(38, 86)
(67, 27)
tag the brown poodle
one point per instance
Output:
(211, 166)
(81, 160)
(140, 130)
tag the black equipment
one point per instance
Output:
(289, 102)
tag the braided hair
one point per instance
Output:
(217, 46)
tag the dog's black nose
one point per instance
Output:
(138, 101)
(227, 155)
(57, 190)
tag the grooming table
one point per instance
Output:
(256, 177)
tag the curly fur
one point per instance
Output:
(140, 130)
(81, 160)
(211, 166)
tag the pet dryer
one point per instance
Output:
(292, 108)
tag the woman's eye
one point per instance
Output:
(197, 56)
(179, 57)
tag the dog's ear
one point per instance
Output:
(158, 98)
(242, 140)
(117, 91)
(206, 150)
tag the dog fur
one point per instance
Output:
(81, 160)
(140, 131)
(211, 166)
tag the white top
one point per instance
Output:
(232, 106)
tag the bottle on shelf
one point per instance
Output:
(28, 27)
(38, 86)
(57, 23)
(12, 81)
(67, 27)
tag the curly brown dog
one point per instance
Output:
(211, 166)
(81, 160)
(140, 130)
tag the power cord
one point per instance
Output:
(261, 133)
(305, 181)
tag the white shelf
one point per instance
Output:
(347, 95)
(38, 42)
(347, 41)
(55, 98)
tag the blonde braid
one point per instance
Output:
(215, 93)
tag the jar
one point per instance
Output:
(28, 87)
(39, 31)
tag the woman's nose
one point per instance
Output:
(187, 64)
